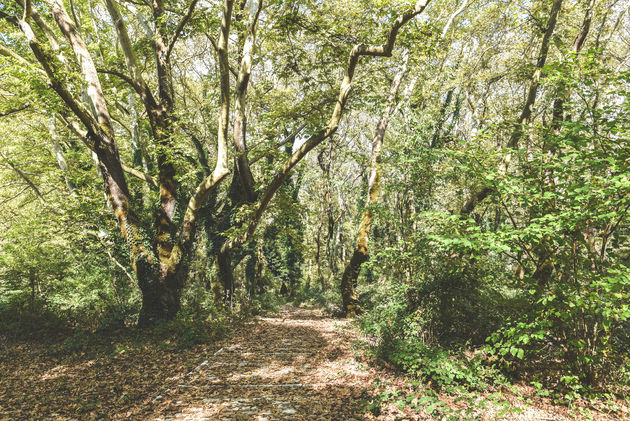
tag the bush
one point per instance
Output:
(573, 332)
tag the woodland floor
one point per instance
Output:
(296, 365)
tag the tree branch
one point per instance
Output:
(94, 90)
(83, 135)
(125, 78)
(127, 48)
(14, 110)
(278, 145)
(180, 27)
(451, 19)
(46, 29)
(141, 175)
(51, 65)
(25, 178)
(224, 66)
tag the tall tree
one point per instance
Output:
(351, 306)
(519, 126)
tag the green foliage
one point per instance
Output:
(468, 404)
(404, 341)
(574, 202)
(440, 368)
(187, 331)
(539, 271)
(76, 342)
(267, 302)
(282, 240)
(328, 299)
(536, 272)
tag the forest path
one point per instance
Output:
(296, 365)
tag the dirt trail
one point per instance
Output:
(297, 365)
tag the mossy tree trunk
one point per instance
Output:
(156, 254)
(350, 300)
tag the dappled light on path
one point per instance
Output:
(296, 365)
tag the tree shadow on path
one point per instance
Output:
(295, 366)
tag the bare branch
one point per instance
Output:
(451, 19)
(141, 175)
(14, 110)
(25, 178)
(125, 78)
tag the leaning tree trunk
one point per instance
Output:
(526, 113)
(350, 300)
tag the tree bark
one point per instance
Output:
(242, 189)
(61, 161)
(240, 118)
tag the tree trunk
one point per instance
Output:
(160, 298)
(260, 261)
(318, 253)
(519, 126)
(350, 300)
(226, 277)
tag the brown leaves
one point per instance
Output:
(40, 382)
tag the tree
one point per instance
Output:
(158, 250)
(351, 304)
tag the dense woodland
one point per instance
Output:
(452, 174)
